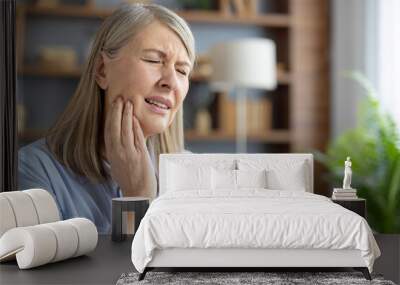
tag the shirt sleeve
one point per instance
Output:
(32, 172)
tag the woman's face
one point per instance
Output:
(152, 72)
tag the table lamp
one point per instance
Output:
(239, 65)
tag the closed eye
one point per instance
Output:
(152, 61)
(182, 72)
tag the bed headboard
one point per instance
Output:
(282, 162)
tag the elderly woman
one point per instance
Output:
(127, 109)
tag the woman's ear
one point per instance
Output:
(100, 70)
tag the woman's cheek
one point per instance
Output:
(115, 90)
(171, 117)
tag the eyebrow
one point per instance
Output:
(163, 54)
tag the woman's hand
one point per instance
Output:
(126, 150)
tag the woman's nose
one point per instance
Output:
(168, 78)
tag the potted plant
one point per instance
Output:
(374, 148)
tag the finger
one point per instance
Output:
(140, 142)
(127, 130)
(114, 124)
(107, 128)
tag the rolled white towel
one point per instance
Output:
(7, 218)
(24, 211)
(67, 240)
(26, 208)
(87, 235)
(40, 244)
(45, 206)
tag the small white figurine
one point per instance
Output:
(347, 174)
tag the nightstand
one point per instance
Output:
(358, 205)
(120, 206)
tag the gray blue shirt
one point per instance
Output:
(75, 195)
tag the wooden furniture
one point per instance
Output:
(122, 206)
(358, 205)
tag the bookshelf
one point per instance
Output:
(273, 137)
(300, 28)
(39, 71)
(213, 17)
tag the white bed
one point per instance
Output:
(247, 210)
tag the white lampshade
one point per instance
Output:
(244, 63)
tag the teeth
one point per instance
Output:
(158, 104)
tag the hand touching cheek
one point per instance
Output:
(126, 150)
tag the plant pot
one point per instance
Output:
(388, 263)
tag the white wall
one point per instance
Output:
(353, 48)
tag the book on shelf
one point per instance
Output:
(227, 113)
(335, 197)
(341, 190)
(258, 115)
(343, 194)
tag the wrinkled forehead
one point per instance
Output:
(160, 37)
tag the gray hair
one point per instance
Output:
(129, 19)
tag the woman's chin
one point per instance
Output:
(154, 128)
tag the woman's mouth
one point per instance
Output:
(157, 107)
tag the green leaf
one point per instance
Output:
(374, 147)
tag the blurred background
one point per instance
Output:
(320, 44)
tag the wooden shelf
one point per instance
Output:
(272, 136)
(284, 78)
(31, 135)
(76, 11)
(46, 71)
(211, 17)
(270, 20)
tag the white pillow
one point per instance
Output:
(251, 178)
(281, 174)
(182, 177)
(296, 181)
(226, 179)
(223, 179)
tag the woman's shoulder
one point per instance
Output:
(37, 150)
(37, 157)
(35, 165)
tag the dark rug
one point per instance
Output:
(229, 278)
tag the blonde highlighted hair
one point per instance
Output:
(77, 136)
